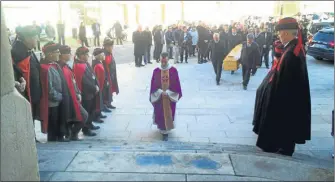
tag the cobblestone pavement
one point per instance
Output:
(207, 113)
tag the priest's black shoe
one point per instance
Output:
(165, 137)
(98, 121)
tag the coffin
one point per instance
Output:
(230, 63)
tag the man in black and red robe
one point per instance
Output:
(86, 82)
(27, 66)
(54, 101)
(282, 116)
(110, 70)
(77, 114)
(100, 74)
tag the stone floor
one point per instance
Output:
(206, 113)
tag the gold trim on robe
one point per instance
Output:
(165, 80)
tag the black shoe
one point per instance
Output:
(149, 62)
(232, 72)
(165, 137)
(217, 83)
(244, 87)
(186, 62)
(62, 139)
(200, 62)
(92, 127)
(111, 107)
(74, 137)
(282, 152)
(267, 67)
(106, 110)
(88, 132)
(142, 65)
(137, 66)
(97, 121)
(102, 116)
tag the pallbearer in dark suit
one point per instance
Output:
(282, 116)
(78, 115)
(250, 57)
(217, 46)
(88, 86)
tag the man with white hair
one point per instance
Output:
(218, 49)
(282, 116)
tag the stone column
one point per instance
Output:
(137, 7)
(125, 14)
(163, 13)
(182, 12)
(18, 148)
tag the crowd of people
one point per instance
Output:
(68, 100)
(65, 100)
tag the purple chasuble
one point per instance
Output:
(165, 107)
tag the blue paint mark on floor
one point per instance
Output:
(205, 163)
(162, 160)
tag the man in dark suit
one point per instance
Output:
(61, 32)
(250, 57)
(139, 48)
(96, 32)
(266, 46)
(169, 42)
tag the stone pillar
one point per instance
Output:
(125, 14)
(18, 148)
(163, 13)
(182, 12)
(137, 7)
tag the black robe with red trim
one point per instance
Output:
(64, 109)
(27, 65)
(74, 104)
(100, 74)
(283, 104)
(85, 79)
(110, 70)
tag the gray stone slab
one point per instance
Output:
(278, 169)
(93, 176)
(217, 119)
(55, 160)
(237, 141)
(95, 161)
(223, 178)
(45, 176)
(244, 134)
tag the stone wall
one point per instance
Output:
(18, 148)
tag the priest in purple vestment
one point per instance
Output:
(165, 91)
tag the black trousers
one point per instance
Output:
(54, 131)
(169, 50)
(89, 106)
(75, 127)
(61, 39)
(84, 42)
(265, 54)
(183, 51)
(138, 60)
(157, 51)
(246, 71)
(217, 65)
(97, 40)
(192, 50)
(119, 40)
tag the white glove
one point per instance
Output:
(97, 89)
(22, 84)
(264, 46)
(79, 98)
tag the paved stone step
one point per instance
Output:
(302, 156)
(67, 165)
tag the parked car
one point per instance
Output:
(322, 45)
